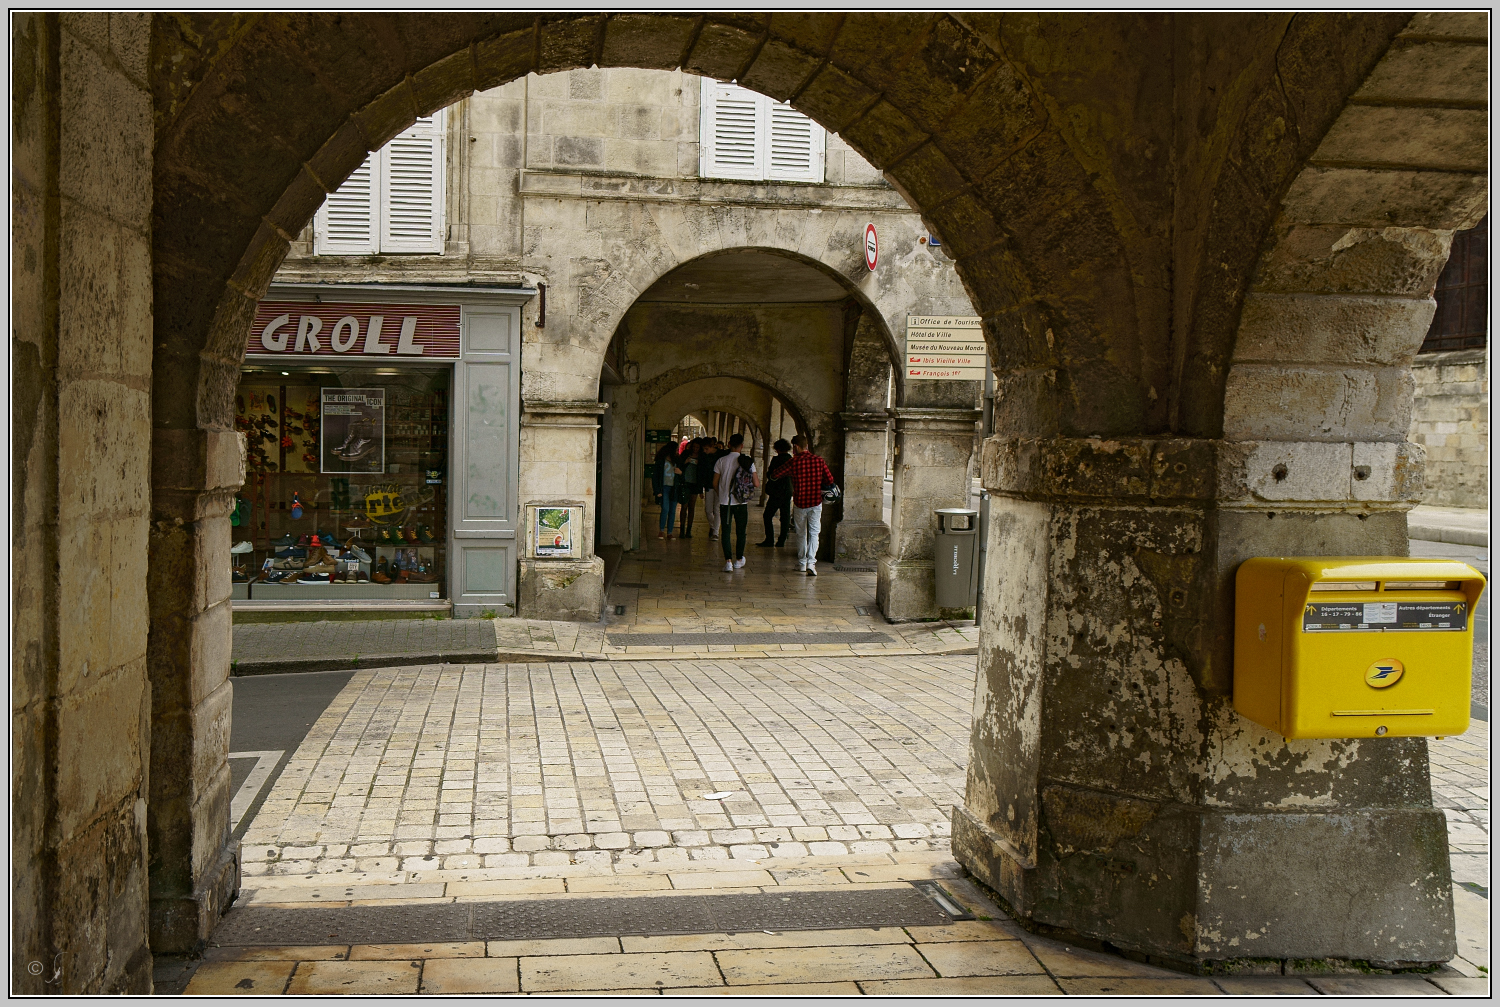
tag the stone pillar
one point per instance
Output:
(933, 447)
(194, 865)
(81, 163)
(1113, 792)
(558, 443)
(863, 536)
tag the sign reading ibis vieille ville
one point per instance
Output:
(944, 348)
(299, 329)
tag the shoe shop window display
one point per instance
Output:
(345, 489)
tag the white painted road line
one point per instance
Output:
(245, 796)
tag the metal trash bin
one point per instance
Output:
(956, 557)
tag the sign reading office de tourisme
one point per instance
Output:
(944, 348)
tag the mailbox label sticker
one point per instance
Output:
(1385, 616)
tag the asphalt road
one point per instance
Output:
(273, 713)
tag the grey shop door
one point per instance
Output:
(486, 460)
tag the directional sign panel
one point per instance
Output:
(944, 348)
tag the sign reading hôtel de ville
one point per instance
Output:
(300, 329)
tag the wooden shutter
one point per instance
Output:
(347, 221)
(733, 126)
(411, 176)
(796, 145)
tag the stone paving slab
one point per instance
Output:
(989, 956)
(411, 769)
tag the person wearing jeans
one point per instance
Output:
(778, 495)
(670, 476)
(734, 483)
(810, 476)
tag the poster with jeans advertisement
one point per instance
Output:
(353, 431)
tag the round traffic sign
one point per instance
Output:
(872, 246)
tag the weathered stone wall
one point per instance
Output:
(1450, 419)
(81, 417)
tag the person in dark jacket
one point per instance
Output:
(778, 494)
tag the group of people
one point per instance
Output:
(725, 475)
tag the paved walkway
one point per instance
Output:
(1457, 525)
(547, 764)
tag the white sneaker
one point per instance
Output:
(812, 571)
(240, 548)
(728, 567)
(739, 562)
(802, 569)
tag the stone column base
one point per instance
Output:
(1226, 891)
(904, 589)
(183, 924)
(562, 590)
(861, 541)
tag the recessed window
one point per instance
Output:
(393, 203)
(748, 136)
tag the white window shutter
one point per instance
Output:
(347, 222)
(732, 140)
(411, 176)
(796, 147)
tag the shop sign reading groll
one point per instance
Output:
(299, 329)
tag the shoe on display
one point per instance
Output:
(410, 534)
(739, 563)
(271, 403)
(316, 543)
(315, 578)
(238, 576)
(424, 535)
(358, 553)
(728, 567)
(284, 541)
(240, 548)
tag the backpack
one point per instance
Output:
(742, 488)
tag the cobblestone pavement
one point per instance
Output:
(538, 764)
(445, 783)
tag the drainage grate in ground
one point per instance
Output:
(740, 639)
(538, 919)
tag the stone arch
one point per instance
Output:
(883, 307)
(719, 393)
(1341, 294)
(1111, 304)
(677, 380)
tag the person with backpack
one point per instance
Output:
(810, 477)
(735, 482)
(778, 494)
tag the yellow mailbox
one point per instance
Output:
(1355, 646)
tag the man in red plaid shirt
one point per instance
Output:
(810, 476)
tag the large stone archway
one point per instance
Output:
(1136, 205)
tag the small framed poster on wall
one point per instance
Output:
(353, 431)
(554, 531)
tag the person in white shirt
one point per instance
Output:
(735, 482)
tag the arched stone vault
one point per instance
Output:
(724, 393)
(1137, 204)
